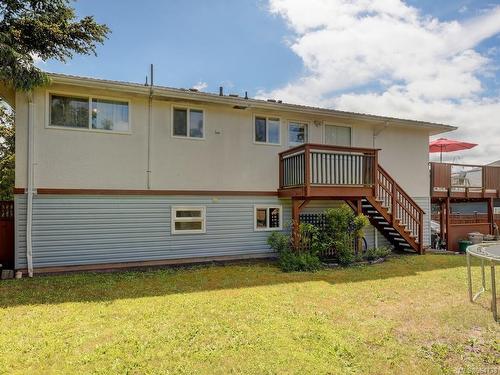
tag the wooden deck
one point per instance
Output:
(464, 181)
(321, 171)
(451, 183)
(315, 171)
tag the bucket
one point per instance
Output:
(463, 245)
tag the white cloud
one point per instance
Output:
(37, 60)
(200, 86)
(419, 67)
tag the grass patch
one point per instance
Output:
(406, 315)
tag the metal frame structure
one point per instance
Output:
(486, 252)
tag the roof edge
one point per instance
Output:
(435, 128)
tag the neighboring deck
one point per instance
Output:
(464, 181)
(315, 171)
(452, 183)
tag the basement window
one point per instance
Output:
(267, 218)
(188, 220)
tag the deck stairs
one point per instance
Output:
(394, 232)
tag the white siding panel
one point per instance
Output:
(425, 204)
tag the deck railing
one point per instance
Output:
(475, 218)
(399, 204)
(464, 180)
(320, 165)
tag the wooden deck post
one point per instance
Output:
(295, 222)
(394, 200)
(375, 173)
(359, 211)
(281, 172)
(297, 205)
(448, 223)
(442, 222)
(491, 214)
(307, 169)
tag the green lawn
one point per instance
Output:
(409, 315)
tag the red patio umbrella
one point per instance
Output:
(448, 145)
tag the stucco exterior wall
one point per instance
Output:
(227, 159)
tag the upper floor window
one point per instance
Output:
(297, 133)
(338, 135)
(88, 113)
(267, 130)
(188, 122)
(110, 115)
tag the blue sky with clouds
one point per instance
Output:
(420, 59)
(234, 43)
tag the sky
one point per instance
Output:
(418, 59)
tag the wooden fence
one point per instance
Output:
(7, 233)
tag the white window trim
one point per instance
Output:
(267, 117)
(188, 109)
(89, 97)
(302, 122)
(267, 207)
(203, 219)
(337, 124)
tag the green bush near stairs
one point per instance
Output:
(343, 228)
(301, 253)
(376, 253)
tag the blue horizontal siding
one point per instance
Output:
(78, 230)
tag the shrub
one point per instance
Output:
(342, 229)
(344, 253)
(301, 262)
(279, 242)
(376, 253)
(299, 254)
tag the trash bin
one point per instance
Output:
(463, 244)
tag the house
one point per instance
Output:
(112, 174)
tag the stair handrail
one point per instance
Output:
(401, 190)
(396, 188)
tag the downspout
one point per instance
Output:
(30, 192)
(150, 120)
